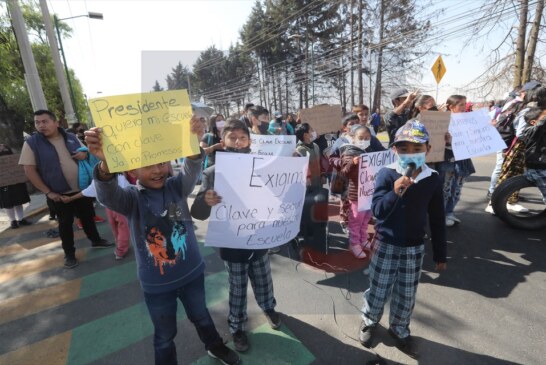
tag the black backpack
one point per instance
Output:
(505, 122)
(535, 145)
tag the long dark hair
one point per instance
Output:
(301, 130)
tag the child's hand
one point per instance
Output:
(356, 160)
(402, 184)
(212, 198)
(440, 266)
(66, 199)
(94, 142)
(81, 155)
(197, 127)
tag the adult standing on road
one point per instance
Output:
(402, 100)
(49, 157)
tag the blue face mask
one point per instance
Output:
(417, 158)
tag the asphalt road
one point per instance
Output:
(487, 308)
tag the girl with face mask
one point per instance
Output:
(454, 172)
(350, 163)
(305, 135)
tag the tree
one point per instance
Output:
(179, 78)
(157, 87)
(516, 57)
(13, 90)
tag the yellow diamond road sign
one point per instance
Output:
(438, 69)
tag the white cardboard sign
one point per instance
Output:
(262, 200)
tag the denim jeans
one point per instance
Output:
(162, 309)
(496, 171)
(539, 178)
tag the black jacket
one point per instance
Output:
(534, 138)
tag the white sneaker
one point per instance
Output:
(489, 209)
(453, 218)
(449, 222)
(516, 208)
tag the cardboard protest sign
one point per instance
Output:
(262, 200)
(322, 118)
(473, 135)
(272, 145)
(10, 170)
(144, 129)
(370, 164)
(437, 125)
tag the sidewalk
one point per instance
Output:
(36, 206)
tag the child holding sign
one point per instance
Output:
(169, 264)
(401, 204)
(241, 264)
(350, 162)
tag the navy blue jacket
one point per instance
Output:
(47, 159)
(401, 221)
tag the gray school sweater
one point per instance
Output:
(161, 228)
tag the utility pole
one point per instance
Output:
(32, 78)
(59, 72)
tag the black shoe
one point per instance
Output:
(365, 334)
(223, 353)
(102, 244)
(240, 341)
(70, 262)
(407, 345)
(14, 224)
(24, 222)
(273, 318)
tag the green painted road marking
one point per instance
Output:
(268, 346)
(96, 339)
(107, 279)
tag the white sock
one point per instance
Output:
(11, 213)
(19, 212)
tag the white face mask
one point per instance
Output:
(313, 136)
(220, 125)
(362, 144)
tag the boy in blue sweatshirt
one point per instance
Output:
(169, 264)
(241, 264)
(400, 205)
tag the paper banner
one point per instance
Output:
(473, 135)
(262, 200)
(144, 129)
(272, 145)
(370, 164)
(322, 118)
(437, 125)
(10, 170)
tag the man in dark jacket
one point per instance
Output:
(403, 103)
(49, 158)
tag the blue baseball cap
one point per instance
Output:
(413, 131)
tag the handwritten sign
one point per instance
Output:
(262, 200)
(323, 118)
(437, 125)
(144, 129)
(473, 135)
(370, 164)
(10, 171)
(272, 145)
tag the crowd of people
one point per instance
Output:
(148, 206)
